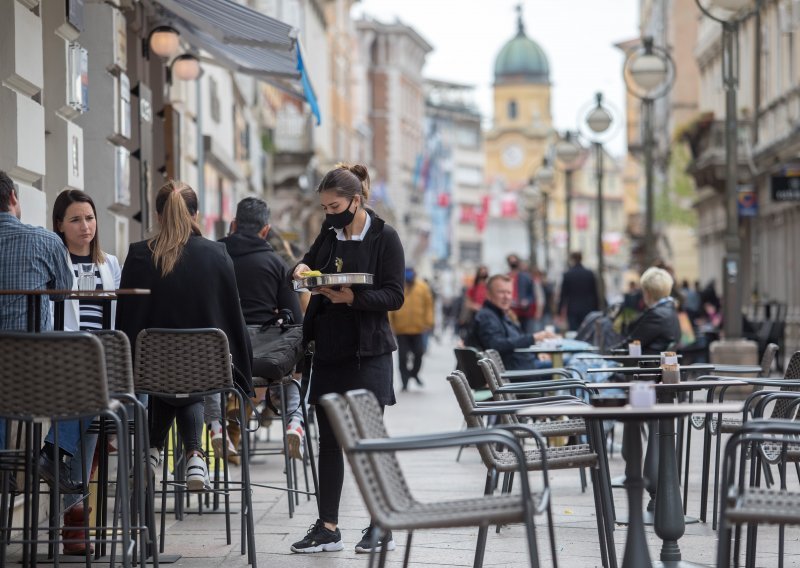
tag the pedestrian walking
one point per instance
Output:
(350, 329)
(523, 301)
(411, 324)
(579, 294)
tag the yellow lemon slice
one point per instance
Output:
(309, 273)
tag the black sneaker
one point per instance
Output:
(365, 544)
(47, 468)
(319, 539)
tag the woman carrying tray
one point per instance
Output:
(349, 327)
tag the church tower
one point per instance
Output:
(516, 143)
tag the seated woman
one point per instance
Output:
(192, 285)
(658, 328)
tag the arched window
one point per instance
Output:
(512, 109)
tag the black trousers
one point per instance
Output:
(189, 414)
(331, 469)
(410, 347)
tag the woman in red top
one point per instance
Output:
(476, 293)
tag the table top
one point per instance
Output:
(628, 412)
(78, 293)
(625, 358)
(736, 369)
(554, 349)
(683, 385)
(696, 367)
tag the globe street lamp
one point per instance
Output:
(732, 288)
(568, 152)
(649, 73)
(544, 178)
(599, 120)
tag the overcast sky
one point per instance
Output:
(578, 37)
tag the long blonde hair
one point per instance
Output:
(176, 205)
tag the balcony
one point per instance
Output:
(706, 138)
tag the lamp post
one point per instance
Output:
(649, 73)
(732, 287)
(544, 177)
(568, 151)
(531, 196)
(598, 119)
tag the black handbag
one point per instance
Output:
(277, 346)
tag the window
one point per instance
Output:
(469, 251)
(214, 99)
(512, 110)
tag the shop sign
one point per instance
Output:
(786, 186)
(747, 201)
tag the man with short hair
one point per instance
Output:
(492, 328)
(265, 289)
(33, 258)
(579, 294)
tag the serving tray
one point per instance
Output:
(340, 279)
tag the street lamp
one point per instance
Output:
(599, 120)
(649, 73)
(732, 288)
(568, 152)
(544, 178)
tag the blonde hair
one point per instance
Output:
(657, 282)
(176, 205)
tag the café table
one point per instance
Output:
(555, 350)
(669, 523)
(34, 303)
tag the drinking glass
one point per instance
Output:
(86, 277)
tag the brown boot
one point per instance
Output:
(74, 518)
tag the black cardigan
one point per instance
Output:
(380, 254)
(200, 292)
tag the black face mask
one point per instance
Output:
(341, 220)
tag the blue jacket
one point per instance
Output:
(492, 329)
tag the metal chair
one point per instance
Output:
(39, 382)
(175, 363)
(742, 499)
(564, 457)
(358, 423)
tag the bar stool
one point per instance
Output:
(176, 363)
(68, 384)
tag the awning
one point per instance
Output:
(245, 41)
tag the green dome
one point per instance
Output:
(521, 59)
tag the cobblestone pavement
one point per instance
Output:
(200, 540)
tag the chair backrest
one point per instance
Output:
(340, 415)
(467, 363)
(494, 355)
(767, 359)
(466, 402)
(368, 416)
(182, 361)
(119, 367)
(492, 375)
(783, 408)
(57, 375)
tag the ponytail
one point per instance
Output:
(176, 205)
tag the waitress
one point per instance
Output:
(350, 329)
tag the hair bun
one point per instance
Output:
(360, 171)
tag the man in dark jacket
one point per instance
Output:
(578, 292)
(492, 328)
(265, 289)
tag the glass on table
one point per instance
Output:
(86, 276)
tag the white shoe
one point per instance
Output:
(155, 462)
(197, 474)
(216, 442)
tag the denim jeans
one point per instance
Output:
(69, 434)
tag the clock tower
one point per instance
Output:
(516, 143)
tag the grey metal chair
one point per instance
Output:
(744, 501)
(181, 362)
(565, 457)
(358, 423)
(39, 381)
(119, 373)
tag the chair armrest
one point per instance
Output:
(532, 373)
(770, 396)
(532, 388)
(513, 407)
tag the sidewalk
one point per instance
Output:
(436, 475)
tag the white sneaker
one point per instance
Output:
(197, 474)
(215, 432)
(295, 438)
(155, 462)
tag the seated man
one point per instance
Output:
(658, 328)
(492, 328)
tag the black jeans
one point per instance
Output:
(331, 469)
(414, 346)
(189, 414)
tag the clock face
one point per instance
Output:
(512, 156)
